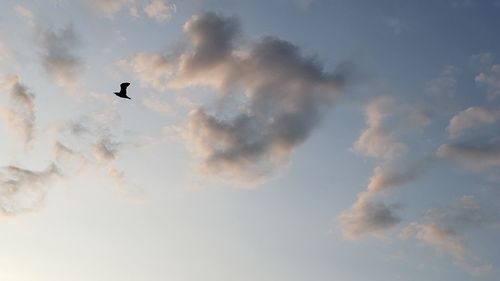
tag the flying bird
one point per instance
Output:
(123, 91)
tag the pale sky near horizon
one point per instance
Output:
(265, 140)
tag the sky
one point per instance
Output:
(265, 140)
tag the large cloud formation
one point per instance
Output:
(58, 55)
(280, 94)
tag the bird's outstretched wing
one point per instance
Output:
(123, 86)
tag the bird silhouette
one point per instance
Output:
(123, 91)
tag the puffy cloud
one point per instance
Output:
(159, 10)
(23, 190)
(471, 117)
(58, 55)
(20, 117)
(367, 216)
(373, 141)
(282, 94)
(491, 79)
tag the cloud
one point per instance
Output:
(397, 25)
(465, 214)
(373, 141)
(110, 7)
(157, 105)
(473, 156)
(105, 149)
(491, 79)
(20, 116)
(23, 190)
(366, 216)
(5, 51)
(394, 174)
(446, 84)
(58, 55)
(24, 12)
(442, 231)
(279, 95)
(152, 70)
(160, 10)
(470, 118)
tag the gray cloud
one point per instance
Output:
(473, 156)
(366, 216)
(279, 95)
(58, 55)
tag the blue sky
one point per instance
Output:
(265, 140)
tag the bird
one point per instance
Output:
(123, 91)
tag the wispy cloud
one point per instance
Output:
(58, 54)
(374, 141)
(23, 190)
(442, 230)
(20, 115)
(110, 7)
(24, 12)
(470, 118)
(160, 10)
